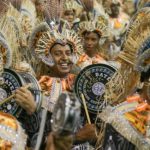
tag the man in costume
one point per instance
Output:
(24, 97)
(12, 136)
(58, 51)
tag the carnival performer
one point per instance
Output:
(23, 97)
(40, 6)
(94, 33)
(118, 19)
(58, 52)
(71, 13)
(129, 119)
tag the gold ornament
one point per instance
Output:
(43, 38)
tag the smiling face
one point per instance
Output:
(91, 41)
(62, 56)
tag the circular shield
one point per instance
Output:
(35, 89)
(13, 81)
(91, 83)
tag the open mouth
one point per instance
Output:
(64, 65)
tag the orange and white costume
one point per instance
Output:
(85, 60)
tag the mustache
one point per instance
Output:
(68, 61)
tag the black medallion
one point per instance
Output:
(13, 81)
(91, 83)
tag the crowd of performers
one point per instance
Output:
(48, 49)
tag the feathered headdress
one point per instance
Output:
(137, 34)
(43, 38)
(134, 59)
(10, 31)
(16, 4)
(100, 25)
(28, 18)
(28, 9)
(88, 5)
(143, 3)
(6, 53)
(4, 5)
(72, 5)
(54, 9)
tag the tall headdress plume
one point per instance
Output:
(72, 5)
(135, 55)
(87, 4)
(54, 9)
(4, 5)
(28, 19)
(10, 31)
(16, 4)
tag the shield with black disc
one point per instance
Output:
(91, 83)
(11, 82)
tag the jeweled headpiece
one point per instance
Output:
(43, 38)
